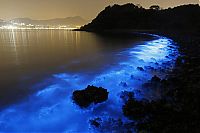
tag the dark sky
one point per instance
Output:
(88, 9)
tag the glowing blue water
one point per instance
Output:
(51, 109)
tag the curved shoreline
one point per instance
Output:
(122, 77)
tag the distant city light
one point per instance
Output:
(9, 27)
(31, 26)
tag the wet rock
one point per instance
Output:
(153, 59)
(158, 88)
(126, 95)
(167, 57)
(149, 114)
(140, 68)
(155, 79)
(179, 61)
(109, 124)
(96, 122)
(90, 95)
(171, 47)
(149, 68)
(141, 60)
(135, 110)
(132, 77)
(163, 70)
(171, 55)
(123, 84)
(154, 83)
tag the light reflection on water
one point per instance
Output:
(29, 56)
(51, 109)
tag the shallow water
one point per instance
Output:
(65, 61)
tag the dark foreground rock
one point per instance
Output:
(154, 83)
(107, 125)
(126, 95)
(140, 68)
(150, 116)
(90, 95)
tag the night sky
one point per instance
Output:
(88, 9)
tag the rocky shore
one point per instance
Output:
(178, 109)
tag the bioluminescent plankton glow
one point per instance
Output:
(51, 108)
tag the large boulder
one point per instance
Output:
(136, 110)
(90, 95)
(154, 84)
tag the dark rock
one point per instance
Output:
(135, 110)
(123, 84)
(107, 125)
(150, 114)
(171, 55)
(141, 60)
(155, 79)
(96, 122)
(132, 77)
(125, 95)
(153, 59)
(157, 87)
(140, 68)
(153, 83)
(90, 95)
(149, 68)
(171, 47)
(179, 61)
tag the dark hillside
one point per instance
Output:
(130, 16)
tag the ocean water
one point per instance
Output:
(40, 69)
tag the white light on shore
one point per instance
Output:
(30, 26)
(9, 27)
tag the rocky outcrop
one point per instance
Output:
(90, 95)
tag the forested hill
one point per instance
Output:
(130, 16)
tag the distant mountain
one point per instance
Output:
(70, 21)
(130, 16)
(76, 21)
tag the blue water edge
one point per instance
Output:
(52, 108)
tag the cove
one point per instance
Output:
(51, 108)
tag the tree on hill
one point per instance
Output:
(155, 7)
